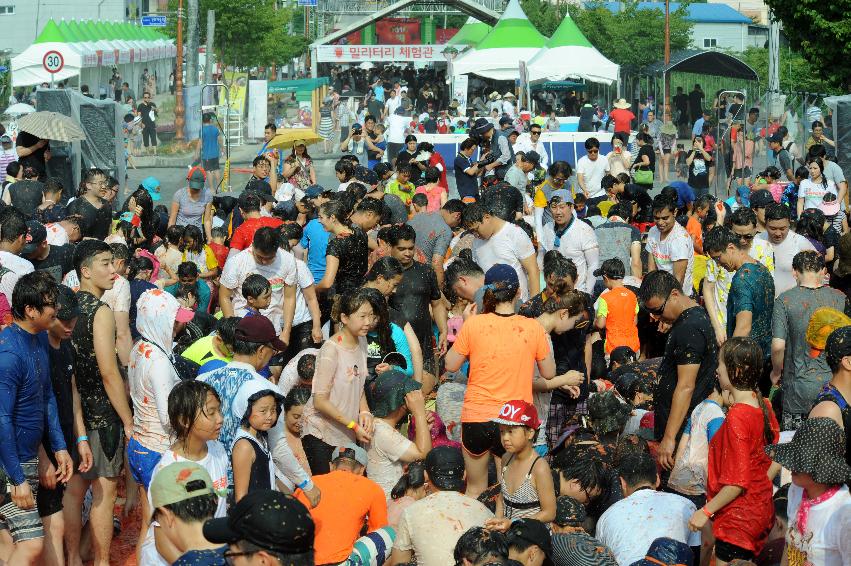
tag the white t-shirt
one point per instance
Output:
(280, 273)
(783, 254)
(593, 172)
(384, 466)
(579, 244)
(18, 267)
(509, 245)
(630, 525)
(392, 104)
(813, 193)
(216, 463)
(118, 298)
(676, 246)
(826, 541)
(396, 126)
(524, 143)
(56, 234)
(305, 280)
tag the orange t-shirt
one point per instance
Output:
(348, 501)
(619, 307)
(695, 230)
(502, 351)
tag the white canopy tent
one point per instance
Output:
(569, 54)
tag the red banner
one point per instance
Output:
(397, 31)
(442, 35)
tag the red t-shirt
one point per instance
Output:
(244, 235)
(622, 118)
(220, 251)
(736, 457)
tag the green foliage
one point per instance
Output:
(545, 15)
(632, 38)
(796, 74)
(821, 32)
(248, 33)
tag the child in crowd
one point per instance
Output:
(526, 487)
(294, 404)
(616, 308)
(194, 413)
(680, 160)
(410, 488)
(579, 205)
(258, 407)
(217, 244)
(199, 253)
(345, 171)
(738, 488)
(170, 255)
(402, 186)
(436, 193)
(257, 292)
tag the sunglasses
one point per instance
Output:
(658, 311)
(535, 133)
(593, 151)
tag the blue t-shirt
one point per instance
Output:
(315, 241)
(209, 142)
(209, 557)
(685, 194)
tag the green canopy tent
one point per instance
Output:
(471, 33)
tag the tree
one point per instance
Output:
(796, 74)
(633, 38)
(544, 15)
(250, 32)
(821, 32)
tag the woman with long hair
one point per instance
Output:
(298, 167)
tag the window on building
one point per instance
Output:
(7, 10)
(710, 42)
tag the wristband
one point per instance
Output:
(707, 513)
(303, 484)
(352, 425)
(82, 438)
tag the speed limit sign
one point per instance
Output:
(53, 61)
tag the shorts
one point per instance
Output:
(728, 552)
(49, 501)
(211, 164)
(142, 462)
(481, 438)
(107, 446)
(22, 524)
(743, 172)
(666, 151)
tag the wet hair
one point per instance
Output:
(185, 401)
(85, 252)
(306, 366)
(802, 172)
(498, 293)
(290, 231)
(573, 301)
(120, 251)
(717, 240)
(382, 320)
(53, 185)
(36, 289)
(777, 211)
(410, 138)
(349, 302)
(591, 143)
(226, 329)
(609, 181)
(413, 478)
(13, 168)
(255, 285)
(219, 232)
(743, 216)
(622, 210)
(244, 422)
(260, 159)
(561, 167)
(576, 463)
(88, 176)
(266, 240)
(816, 151)
(193, 233)
(629, 444)
(478, 544)
(811, 224)
(658, 284)
(296, 397)
(663, 202)
(387, 268)
(185, 290)
(345, 167)
(13, 224)
(781, 503)
(744, 361)
(399, 232)
(453, 206)
(356, 191)
(468, 143)
(137, 264)
(808, 261)
(336, 209)
(473, 213)
(419, 199)
(461, 267)
(432, 175)
(556, 265)
(174, 234)
(195, 509)
(187, 269)
(371, 206)
(637, 468)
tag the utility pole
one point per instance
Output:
(192, 44)
(667, 94)
(178, 77)
(211, 31)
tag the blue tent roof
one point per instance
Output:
(699, 13)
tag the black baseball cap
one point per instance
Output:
(776, 137)
(533, 531)
(67, 305)
(445, 468)
(761, 198)
(504, 121)
(269, 519)
(612, 268)
(36, 235)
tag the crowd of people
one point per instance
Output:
(375, 373)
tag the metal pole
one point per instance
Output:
(667, 93)
(179, 120)
(211, 32)
(192, 42)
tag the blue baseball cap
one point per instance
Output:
(744, 193)
(501, 273)
(314, 191)
(152, 185)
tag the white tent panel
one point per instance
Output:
(28, 67)
(499, 64)
(584, 63)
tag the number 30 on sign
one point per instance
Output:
(53, 61)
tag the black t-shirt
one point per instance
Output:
(36, 158)
(468, 185)
(736, 111)
(352, 251)
(503, 200)
(648, 151)
(95, 222)
(698, 171)
(695, 101)
(430, 126)
(61, 370)
(681, 102)
(691, 341)
(145, 110)
(58, 262)
(371, 155)
(413, 298)
(26, 195)
(395, 211)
